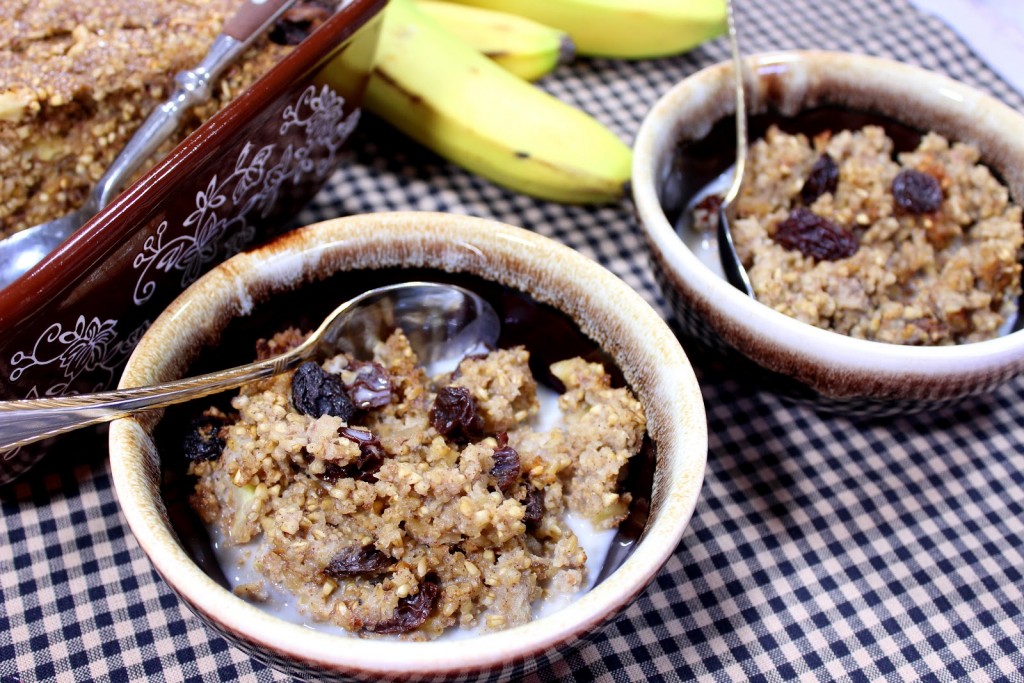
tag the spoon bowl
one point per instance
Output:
(25, 249)
(443, 322)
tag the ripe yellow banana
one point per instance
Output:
(528, 49)
(629, 29)
(452, 99)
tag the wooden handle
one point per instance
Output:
(252, 17)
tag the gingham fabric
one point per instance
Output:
(823, 548)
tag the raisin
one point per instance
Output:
(333, 473)
(534, 504)
(824, 178)
(371, 452)
(203, 440)
(299, 21)
(412, 611)
(705, 213)
(371, 387)
(711, 203)
(316, 392)
(357, 561)
(506, 464)
(454, 415)
(916, 192)
(371, 457)
(814, 236)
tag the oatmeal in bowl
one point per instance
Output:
(880, 224)
(385, 501)
(840, 231)
(354, 516)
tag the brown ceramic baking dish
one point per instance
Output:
(71, 322)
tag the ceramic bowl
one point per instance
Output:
(830, 370)
(551, 298)
(71, 322)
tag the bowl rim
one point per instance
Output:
(81, 253)
(761, 330)
(544, 263)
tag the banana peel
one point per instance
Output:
(526, 48)
(625, 29)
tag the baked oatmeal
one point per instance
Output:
(76, 80)
(923, 247)
(389, 502)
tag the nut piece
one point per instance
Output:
(13, 105)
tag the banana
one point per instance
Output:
(628, 29)
(450, 98)
(526, 48)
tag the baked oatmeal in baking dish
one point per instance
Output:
(76, 80)
(387, 502)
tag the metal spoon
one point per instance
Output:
(443, 322)
(699, 241)
(26, 248)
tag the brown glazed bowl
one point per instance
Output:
(688, 138)
(555, 301)
(71, 322)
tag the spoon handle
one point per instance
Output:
(26, 421)
(248, 23)
(735, 273)
(741, 108)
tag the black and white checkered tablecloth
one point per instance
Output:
(822, 548)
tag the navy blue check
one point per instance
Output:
(823, 548)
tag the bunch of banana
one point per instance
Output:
(453, 76)
(451, 98)
(525, 47)
(629, 29)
